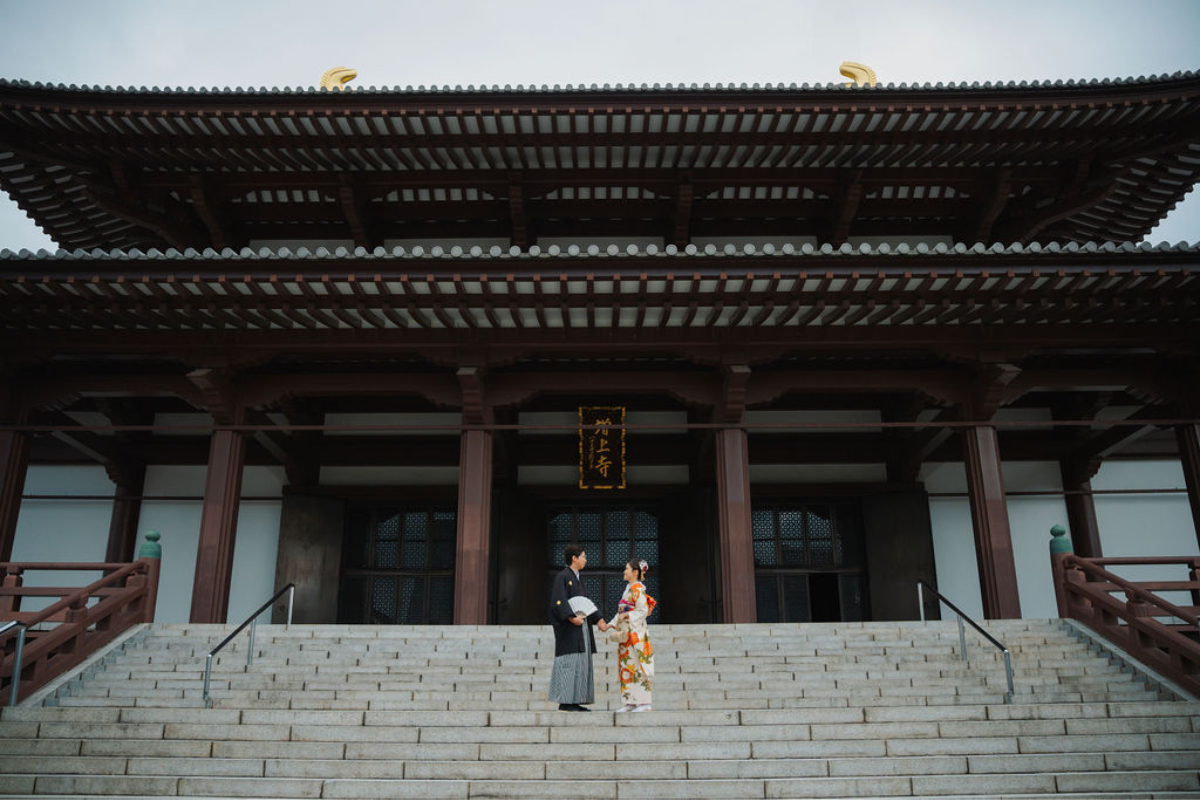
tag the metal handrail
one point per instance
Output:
(252, 621)
(18, 655)
(922, 586)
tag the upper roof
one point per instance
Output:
(1057, 162)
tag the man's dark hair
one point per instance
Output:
(571, 551)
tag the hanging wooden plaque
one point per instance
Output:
(602, 449)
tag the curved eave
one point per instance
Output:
(1078, 161)
(640, 93)
(450, 297)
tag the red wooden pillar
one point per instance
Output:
(14, 463)
(472, 563)
(1081, 509)
(736, 542)
(218, 527)
(1188, 437)
(989, 518)
(126, 510)
(471, 559)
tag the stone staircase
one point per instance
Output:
(814, 710)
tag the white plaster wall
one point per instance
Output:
(859, 417)
(179, 523)
(816, 473)
(1147, 524)
(428, 418)
(1030, 520)
(571, 419)
(389, 476)
(62, 530)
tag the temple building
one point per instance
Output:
(829, 341)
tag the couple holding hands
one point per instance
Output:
(572, 614)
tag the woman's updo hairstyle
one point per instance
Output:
(639, 566)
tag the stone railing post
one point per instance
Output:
(151, 551)
(1060, 548)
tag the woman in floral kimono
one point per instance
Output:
(635, 655)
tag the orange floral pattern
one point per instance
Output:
(636, 655)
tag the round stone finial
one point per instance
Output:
(151, 548)
(1059, 541)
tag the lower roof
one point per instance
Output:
(453, 296)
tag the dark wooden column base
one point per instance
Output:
(14, 463)
(1081, 510)
(989, 518)
(474, 529)
(218, 527)
(126, 511)
(1188, 437)
(736, 543)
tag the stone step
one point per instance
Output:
(994, 785)
(871, 709)
(713, 769)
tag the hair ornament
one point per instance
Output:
(643, 565)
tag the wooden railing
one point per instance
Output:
(64, 634)
(1160, 634)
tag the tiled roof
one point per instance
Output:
(353, 89)
(691, 252)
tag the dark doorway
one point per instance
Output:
(611, 535)
(808, 562)
(398, 565)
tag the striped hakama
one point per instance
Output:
(572, 681)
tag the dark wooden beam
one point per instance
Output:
(915, 448)
(518, 229)
(352, 210)
(211, 214)
(683, 213)
(990, 207)
(130, 482)
(846, 201)
(1081, 507)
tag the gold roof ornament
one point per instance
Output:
(338, 77)
(860, 73)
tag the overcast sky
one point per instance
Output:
(271, 43)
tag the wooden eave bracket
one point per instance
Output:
(475, 411)
(736, 382)
(285, 449)
(220, 396)
(1087, 185)
(991, 207)
(516, 212)
(988, 390)
(846, 202)
(684, 194)
(206, 209)
(124, 200)
(904, 465)
(354, 210)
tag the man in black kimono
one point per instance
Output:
(572, 684)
